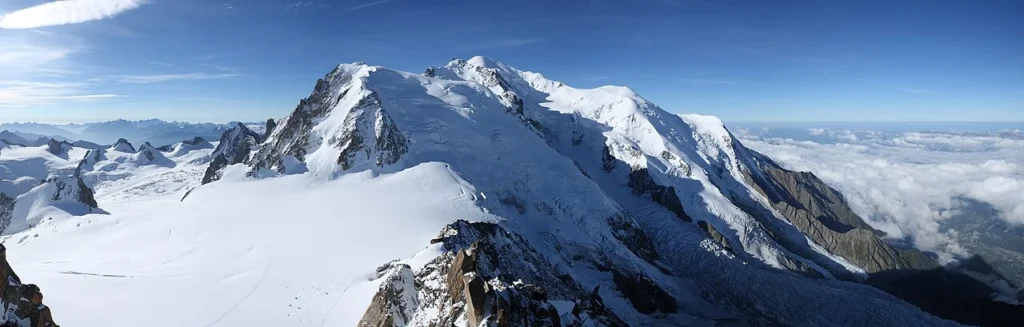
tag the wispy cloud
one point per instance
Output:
(296, 6)
(17, 93)
(500, 44)
(36, 54)
(143, 79)
(706, 81)
(367, 5)
(66, 12)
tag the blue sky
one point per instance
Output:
(198, 60)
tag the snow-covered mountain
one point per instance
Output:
(472, 194)
(154, 131)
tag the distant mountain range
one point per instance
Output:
(155, 131)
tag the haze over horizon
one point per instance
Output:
(216, 62)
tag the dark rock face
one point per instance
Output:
(820, 212)
(608, 160)
(22, 302)
(395, 301)
(645, 296)
(380, 142)
(91, 158)
(124, 146)
(270, 126)
(166, 148)
(515, 304)
(72, 188)
(6, 211)
(148, 151)
(634, 238)
(368, 133)
(234, 148)
(55, 147)
(196, 140)
(290, 137)
(488, 277)
(714, 234)
(641, 183)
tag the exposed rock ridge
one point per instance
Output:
(369, 130)
(486, 277)
(72, 188)
(22, 303)
(235, 146)
(6, 211)
(820, 212)
(641, 183)
(57, 148)
(124, 146)
(290, 137)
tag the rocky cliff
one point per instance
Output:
(482, 279)
(820, 212)
(234, 147)
(22, 303)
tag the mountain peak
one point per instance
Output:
(484, 62)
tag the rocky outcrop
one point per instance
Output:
(148, 152)
(123, 145)
(91, 158)
(634, 238)
(6, 211)
(492, 79)
(57, 148)
(234, 148)
(643, 293)
(22, 303)
(166, 148)
(186, 145)
(640, 181)
(291, 135)
(485, 277)
(72, 188)
(269, 128)
(396, 299)
(507, 304)
(714, 234)
(196, 141)
(370, 133)
(820, 212)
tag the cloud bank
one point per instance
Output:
(66, 12)
(906, 184)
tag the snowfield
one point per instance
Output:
(290, 251)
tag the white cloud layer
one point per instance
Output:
(66, 12)
(16, 93)
(906, 184)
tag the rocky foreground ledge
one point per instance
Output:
(22, 303)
